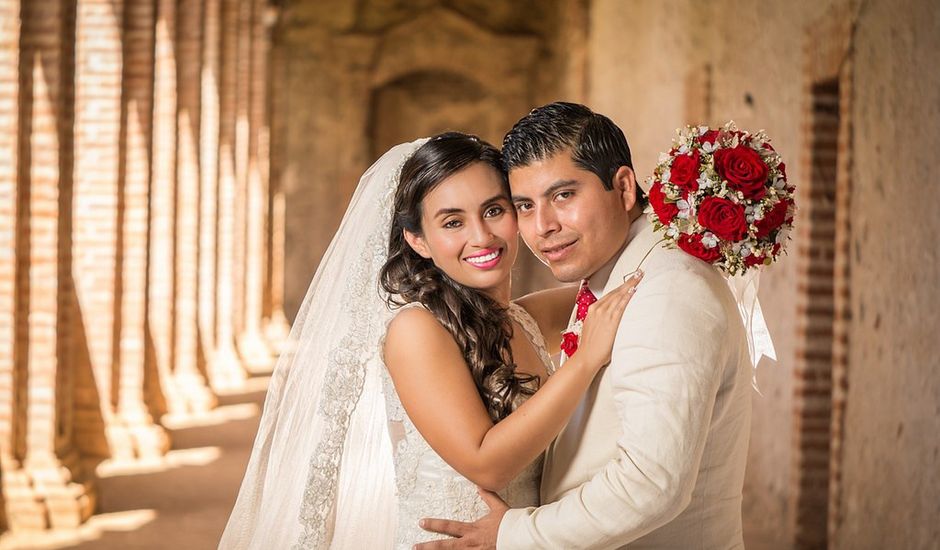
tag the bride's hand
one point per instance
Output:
(602, 321)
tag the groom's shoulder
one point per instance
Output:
(686, 282)
(679, 266)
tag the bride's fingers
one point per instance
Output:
(614, 301)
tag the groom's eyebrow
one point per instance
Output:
(494, 198)
(552, 189)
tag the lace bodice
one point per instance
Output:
(427, 486)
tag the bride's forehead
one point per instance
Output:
(473, 185)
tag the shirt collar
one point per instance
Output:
(598, 281)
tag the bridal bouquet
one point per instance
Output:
(722, 196)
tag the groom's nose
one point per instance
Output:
(546, 222)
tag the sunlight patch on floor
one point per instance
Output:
(199, 456)
(91, 530)
(215, 417)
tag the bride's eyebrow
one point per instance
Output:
(495, 198)
(448, 211)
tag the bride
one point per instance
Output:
(411, 378)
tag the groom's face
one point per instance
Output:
(567, 218)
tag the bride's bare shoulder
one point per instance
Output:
(416, 331)
(412, 317)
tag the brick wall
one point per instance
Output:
(821, 359)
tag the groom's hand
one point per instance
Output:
(479, 534)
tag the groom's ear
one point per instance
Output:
(417, 243)
(625, 186)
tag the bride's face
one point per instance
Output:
(469, 230)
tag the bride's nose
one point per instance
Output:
(481, 234)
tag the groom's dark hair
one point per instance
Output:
(596, 143)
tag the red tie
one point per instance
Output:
(569, 341)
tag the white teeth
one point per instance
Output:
(483, 259)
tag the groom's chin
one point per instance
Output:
(564, 273)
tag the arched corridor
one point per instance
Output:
(172, 171)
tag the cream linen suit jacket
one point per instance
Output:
(654, 456)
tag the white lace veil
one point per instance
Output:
(320, 473)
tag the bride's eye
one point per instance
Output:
(452, 224)
(493, 211)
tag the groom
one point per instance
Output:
(654, 456)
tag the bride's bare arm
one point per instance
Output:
(438, 392)
(551, 308)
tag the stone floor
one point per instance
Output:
(183, 501)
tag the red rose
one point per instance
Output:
(772, 219)
(665, 211)
(684, 171)
(783, 169)
(693, 245)
(569, 343)
(744, 170)
(753, 259)
(708, 137)
(723, 218)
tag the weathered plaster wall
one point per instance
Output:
(891, 495)
(655, 66)
(759, 80)
(364, 76)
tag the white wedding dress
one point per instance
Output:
(426, 486)
(336, 463)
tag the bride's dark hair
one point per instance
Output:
(480, 326)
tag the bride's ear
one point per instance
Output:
(417, 243)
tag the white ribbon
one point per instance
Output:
(759, 343)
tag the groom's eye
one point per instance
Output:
(523, 206)
(564, 195)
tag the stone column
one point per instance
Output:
(189, 380)
(251, 343)
(277, 327)
(161, 287)
(98, 68)
(9, 126)
(50, 490)
(242, 150)
(226, 370)
(209, 178)
(148, 439)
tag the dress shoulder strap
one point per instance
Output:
(533, 333)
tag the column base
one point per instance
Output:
(226, 373)
(276, 332)
(45, 494)
(192, 395)
(256, 353)
(135, 437)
